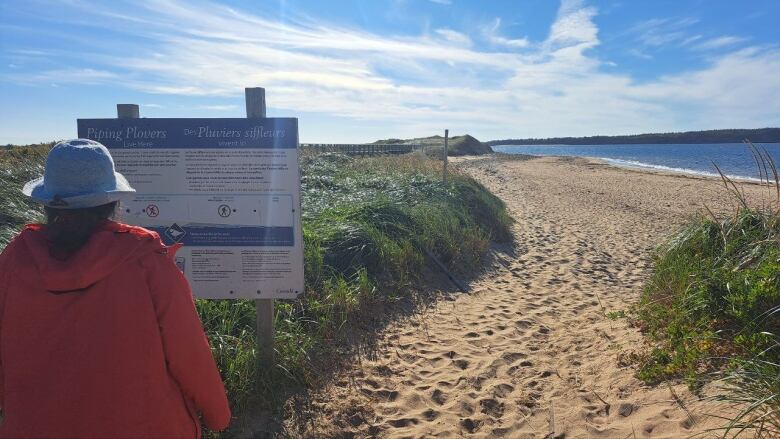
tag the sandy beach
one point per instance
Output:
(529, 351)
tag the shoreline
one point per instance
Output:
(645, 168)
(667, 170)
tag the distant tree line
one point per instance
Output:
(760, 135)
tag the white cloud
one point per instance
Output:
(492, 35)
(720, 42)
(70, 76)
(639, 54)
(218, 107)
(441, 2)
(574, 26)
(29, 52)
(658, 32)
(409, 85)
(690, 40)
(454, 36)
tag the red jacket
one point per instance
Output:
(104, 344)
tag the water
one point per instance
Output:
(734, 159)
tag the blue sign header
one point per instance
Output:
(211, 236)
(192, 133)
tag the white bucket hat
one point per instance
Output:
(79, 173)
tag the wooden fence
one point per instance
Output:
(363, 149)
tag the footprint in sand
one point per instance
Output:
(470, 425)
(439, 397)
(492, 407)
(502, 390)
(461, 364)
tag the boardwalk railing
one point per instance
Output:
(363, 149)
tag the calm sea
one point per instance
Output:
(734, 159)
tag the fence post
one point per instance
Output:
(264, 308)
(446, 152)
(127, 111)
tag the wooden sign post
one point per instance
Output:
(446, 152)
(264, 308)
(127, 111)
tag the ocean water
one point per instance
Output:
(734, 159)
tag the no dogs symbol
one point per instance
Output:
(224, 210)
(152, 210)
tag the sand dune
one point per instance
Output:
(529, 352)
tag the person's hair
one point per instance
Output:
(67, 230)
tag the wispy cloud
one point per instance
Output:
(29, 52)
(454, 36)
(676, 32)
(492, 35)
(639, 54)
(218, 107)
(664, 31)
(70, 76)
(509, 87)
(441, 2)
(720, 42)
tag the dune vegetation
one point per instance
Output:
(712, 308)
(18, 165)
(456, 145)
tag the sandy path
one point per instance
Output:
(530, 353)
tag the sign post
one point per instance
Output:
(227, 190)
(264, 308)
(446, 152)
(127, 111)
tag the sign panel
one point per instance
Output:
(227, 189)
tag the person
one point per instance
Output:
(99, 336)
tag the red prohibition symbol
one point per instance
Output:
(152, 210)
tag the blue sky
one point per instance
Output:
(355, 71)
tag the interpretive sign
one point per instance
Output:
(228, 190)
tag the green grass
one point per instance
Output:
(367, 224)
(712, 309)
(17, 167)
(710, 293)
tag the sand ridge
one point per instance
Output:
(529, 352)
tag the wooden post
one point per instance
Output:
(446, 151)
(264, 308)
(255, 102)
(127, 111)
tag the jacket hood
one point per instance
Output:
(111, 245)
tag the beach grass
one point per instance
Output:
(751, 389)
(712, 307)
(368, 226)
(18, 165)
